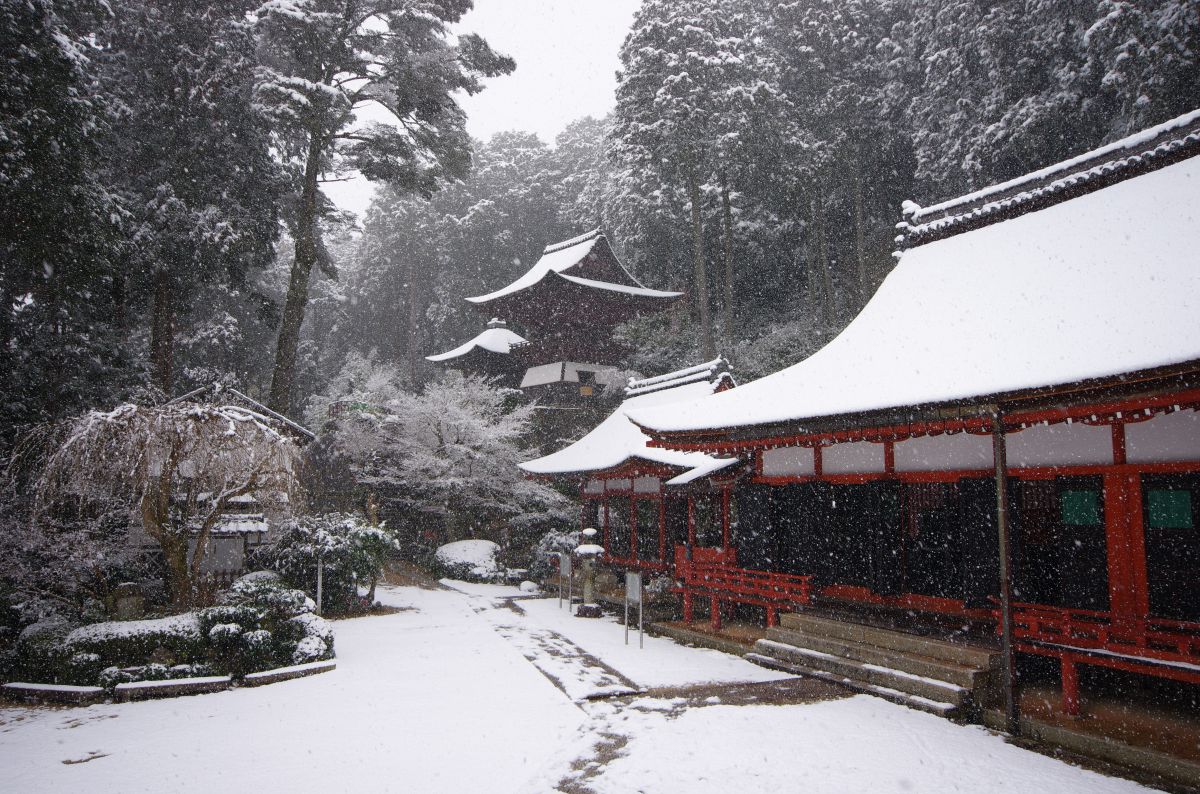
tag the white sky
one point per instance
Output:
(566, 54)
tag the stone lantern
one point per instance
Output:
(588, 552)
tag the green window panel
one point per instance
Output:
(1170, 509)
(1081, 508)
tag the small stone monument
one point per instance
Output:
(128, 603)
(589, 551)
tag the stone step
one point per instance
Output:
(929, 647)
(962, 675)
(864, 674)
(701, 639)
(938, 707)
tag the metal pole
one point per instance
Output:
(641, 616)
(320, 571)
(1012, 721)
(560, 582)
(627, 618)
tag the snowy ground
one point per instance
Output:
(478, 691)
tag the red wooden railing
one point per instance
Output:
(1151, 638)
(722, 582)
(1149, 646)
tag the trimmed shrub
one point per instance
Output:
(131, 642)
(468, 561)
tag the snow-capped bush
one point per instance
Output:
(469, 561)
(309, 649)
(270, 596)
(131, 642)
(350, 550)
(556, 541)
(258, 640)
(225, 632)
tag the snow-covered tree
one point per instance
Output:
(189, 156)
(176, 468)
(325, 59)
(450, 451)
(349, 550)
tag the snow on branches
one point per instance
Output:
(176, 466)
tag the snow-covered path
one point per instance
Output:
(456, 695)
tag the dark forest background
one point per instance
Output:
(161, 218)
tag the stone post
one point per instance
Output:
(589, 551)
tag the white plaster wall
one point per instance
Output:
(788, 462)
(541, 375)
(593, 486)
(646, 485)
(855, 457)
(947, 452)
(1060, 445)
(616, 485)
(1166, 438)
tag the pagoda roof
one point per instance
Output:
(586, 261)
(1079, 274)
(617, 441)
(497, 341)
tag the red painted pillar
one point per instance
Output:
(772, 617)
(715, 611)
(1128, 587)
(688, 614)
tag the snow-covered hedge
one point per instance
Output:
(469, 561)
(130, 642)
(263, 625)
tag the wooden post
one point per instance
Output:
(1007, 673)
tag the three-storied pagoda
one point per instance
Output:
(566, 308)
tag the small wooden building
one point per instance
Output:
(1005, 443)
(648, 501)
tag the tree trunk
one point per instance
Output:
(727, 304)
(415, 312)
(700, 275)
(284, 373)
(120, 301)
(822, 263)
(860, 247)
(179, 578)
(162, 332)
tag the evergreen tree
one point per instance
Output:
(325, 59)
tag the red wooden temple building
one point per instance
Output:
(565, 309)
(644, 500)
(1001, 453)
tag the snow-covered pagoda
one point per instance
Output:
(566, 308)
(491, 353)
(647, 500)
(1001, 452)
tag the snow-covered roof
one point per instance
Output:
(715, 371)
(1099, 284)
(492, 340)
(571, 254)
(218, 389)
(616, 440)
(240, 524)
